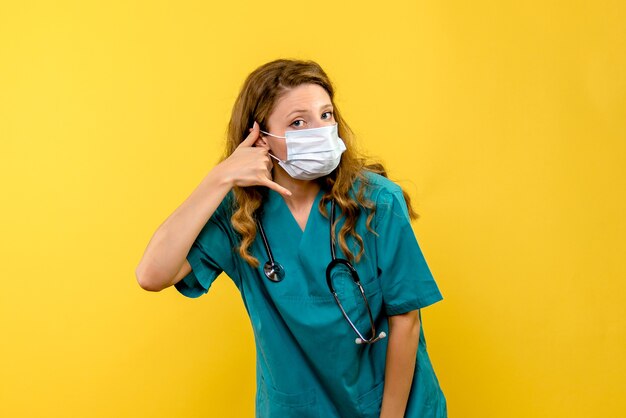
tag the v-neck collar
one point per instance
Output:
(276, 205)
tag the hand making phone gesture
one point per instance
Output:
(250, 164)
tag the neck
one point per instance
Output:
(303, 191)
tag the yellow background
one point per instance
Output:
(506, 121)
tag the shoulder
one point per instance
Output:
(387, 196)
(379, 188)
(226, 207)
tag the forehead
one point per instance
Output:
(304, 96)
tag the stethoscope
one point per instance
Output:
(275, 272)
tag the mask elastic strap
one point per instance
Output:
(274, 157)
(275, 136)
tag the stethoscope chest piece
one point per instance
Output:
(274, 271)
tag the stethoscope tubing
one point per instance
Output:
(275, 272)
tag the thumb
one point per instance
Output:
(252, 136)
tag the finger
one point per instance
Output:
(276, 187)
(252, 136)
(270, 165)
(267, 160)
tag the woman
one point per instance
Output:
(263, 216)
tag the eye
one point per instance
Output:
(329, 113)
(297, 123)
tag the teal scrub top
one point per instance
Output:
(308, 364)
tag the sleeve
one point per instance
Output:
(406, 280)
(211, 253)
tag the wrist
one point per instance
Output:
(221, 176)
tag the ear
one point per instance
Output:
(261, 143)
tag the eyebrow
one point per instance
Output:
(328, 105)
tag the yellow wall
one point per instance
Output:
(506, 121)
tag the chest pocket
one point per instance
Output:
(353, 303)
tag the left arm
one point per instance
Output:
(404, 331)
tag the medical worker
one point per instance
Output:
(319, 243)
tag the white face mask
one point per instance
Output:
(311, 153)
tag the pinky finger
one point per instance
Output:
(276, 187)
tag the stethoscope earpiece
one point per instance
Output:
(382, 335)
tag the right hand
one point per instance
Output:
(251, 166)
